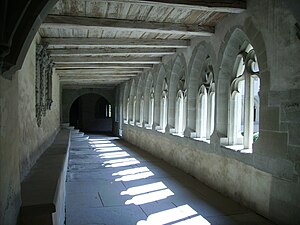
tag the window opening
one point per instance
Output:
(244, 101)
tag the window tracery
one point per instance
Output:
(180, 113)
(151, 107)
(244, 102)
(205, 106)
(164, 106)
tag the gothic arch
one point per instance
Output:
(19, 29)
(132, 101)
(125, 101)
(149, 85)
(162, 73)
(69, 99)
(177, 82)
(202, 52)
(140, 99)
(234, 40)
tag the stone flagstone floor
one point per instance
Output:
(111, 182)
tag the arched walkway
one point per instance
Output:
(91, 113)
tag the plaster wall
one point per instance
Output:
(21, 140)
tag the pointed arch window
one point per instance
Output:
(132, 122)
(244, 100)
(205, 105)
(201, 112)
(164, 107)
(127, 111)
(180, 111)
(140, 124)
(151, 108)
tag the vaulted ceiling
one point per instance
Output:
(106, 42)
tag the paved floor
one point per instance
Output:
(111, 182)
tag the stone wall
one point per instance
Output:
(266, 180)
(21, 140)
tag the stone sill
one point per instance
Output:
(238, 148)
(177, 134)
(160, 131)
(202, 140)
(138, 124)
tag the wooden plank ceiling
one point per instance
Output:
(105, 42)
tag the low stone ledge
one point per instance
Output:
(43, 190)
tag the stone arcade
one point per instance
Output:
(211, 87)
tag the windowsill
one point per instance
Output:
(148, 127)
(203, 140)
(161, 131)
(177, 134)
(239, 148)
(139, 124)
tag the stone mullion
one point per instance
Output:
(208, 116)
(248, 112)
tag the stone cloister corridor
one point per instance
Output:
(147, 112)
(110, 181)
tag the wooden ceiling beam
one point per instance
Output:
(103, 59)
(80, 22)
(114, 43)
(111, 51)
(101, 77)
(99, 71)
(104, 80)
(66, 66)
(227, 6)
(75, 86)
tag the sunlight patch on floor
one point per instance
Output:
(144, 189)
(150, 197)
(170, 216)
(118, 154)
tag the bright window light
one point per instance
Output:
(131, 171)
(199, 220)
(169, 216)
(102, 145)
(137, 176)
(144, 189)
(120, 162)
(99, 142)
(114, 155)
(108, 149)
(150, 197)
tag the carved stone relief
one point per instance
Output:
(43, 82)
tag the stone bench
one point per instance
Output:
(43, 190)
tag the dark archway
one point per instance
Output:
(91, 113)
